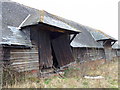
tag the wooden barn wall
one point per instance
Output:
(24, 59)
(114, 53)
(118, 52)
(1, 53)
(45, 52)
(86, 54)
(41, 38)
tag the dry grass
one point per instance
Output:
(74, 78)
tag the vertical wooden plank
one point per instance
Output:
(44, 49)
(62, 50)
(1, 66)
(1, 53)
(6, 54)
(41, 39)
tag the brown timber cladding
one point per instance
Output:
(24, 59)
(62, 50)
(45, 52)
(41, 39)
(86, 54)
(1, 53)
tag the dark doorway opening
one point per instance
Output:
(55, 62)
(54, 35)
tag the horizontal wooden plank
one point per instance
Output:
(24, 59)
(23, 52)
(29, 62)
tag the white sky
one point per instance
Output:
(99, 14)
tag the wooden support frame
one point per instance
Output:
(113, 43)
(1, 53)
(73, 38)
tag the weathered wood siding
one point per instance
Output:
(45, 52)
(115, 52)
(1, 53)
(86, 54)
(41, 39)
(24, 59)
(118, 52)
(62, 50)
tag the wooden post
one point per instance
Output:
(1, 66)
(108, 50)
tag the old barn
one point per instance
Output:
(35, 40)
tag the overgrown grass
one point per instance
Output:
(74, 78)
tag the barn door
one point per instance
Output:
(44, 49)
(62, 50)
